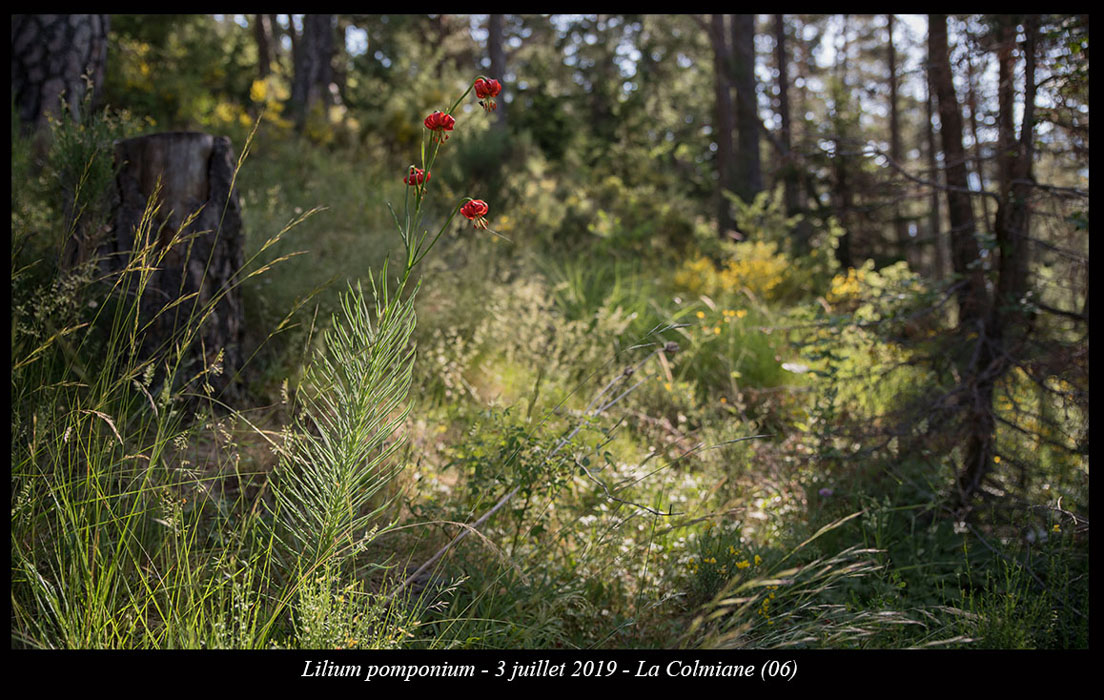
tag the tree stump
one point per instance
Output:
(204, 258)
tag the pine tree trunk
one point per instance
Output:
(895, 151)
(262, 32)
(844, 205)
(313, 72)
(279, 53)
(840, 162)
(1006, 324)
(939, 262)
(725, 123)
(790, 176)
(749, 179)
(972, 296)
(1011, 224)
(195, 172)
(50, 54)
(979, 160)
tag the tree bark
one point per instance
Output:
(934, 229)
(899, 225)
(725, 123)
(1006, 324)
(979, 160)
(805, 63)
(1011, 222)
(790, 175)
(844, 199)
(965, 252)
(1006, 95)
(313, 70)
(262, 32)
(50, 54)
(190, 172)
(749, 178)
(840, 164)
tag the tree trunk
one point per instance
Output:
(934, 232)
(340, 63)
(899, 225)
(843, 194)
(262, 32)
(278, 50)
(1006, 95)
(805, 64)
(1006, 323)
(496, 51)
(790, 175)
(749, 177)
(1011, 221)
(844, 199)
(979, 159)
(201, 255)
(313, 67)
(724, 125)
(965, 252)
(50, 54)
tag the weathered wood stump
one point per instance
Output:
(200, 253)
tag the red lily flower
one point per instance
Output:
(439, 123)
(417, 176)
(476, 210)
(487, 89)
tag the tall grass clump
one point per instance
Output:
(793, 606)
(104, 508)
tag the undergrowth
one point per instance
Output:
(512, 447)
